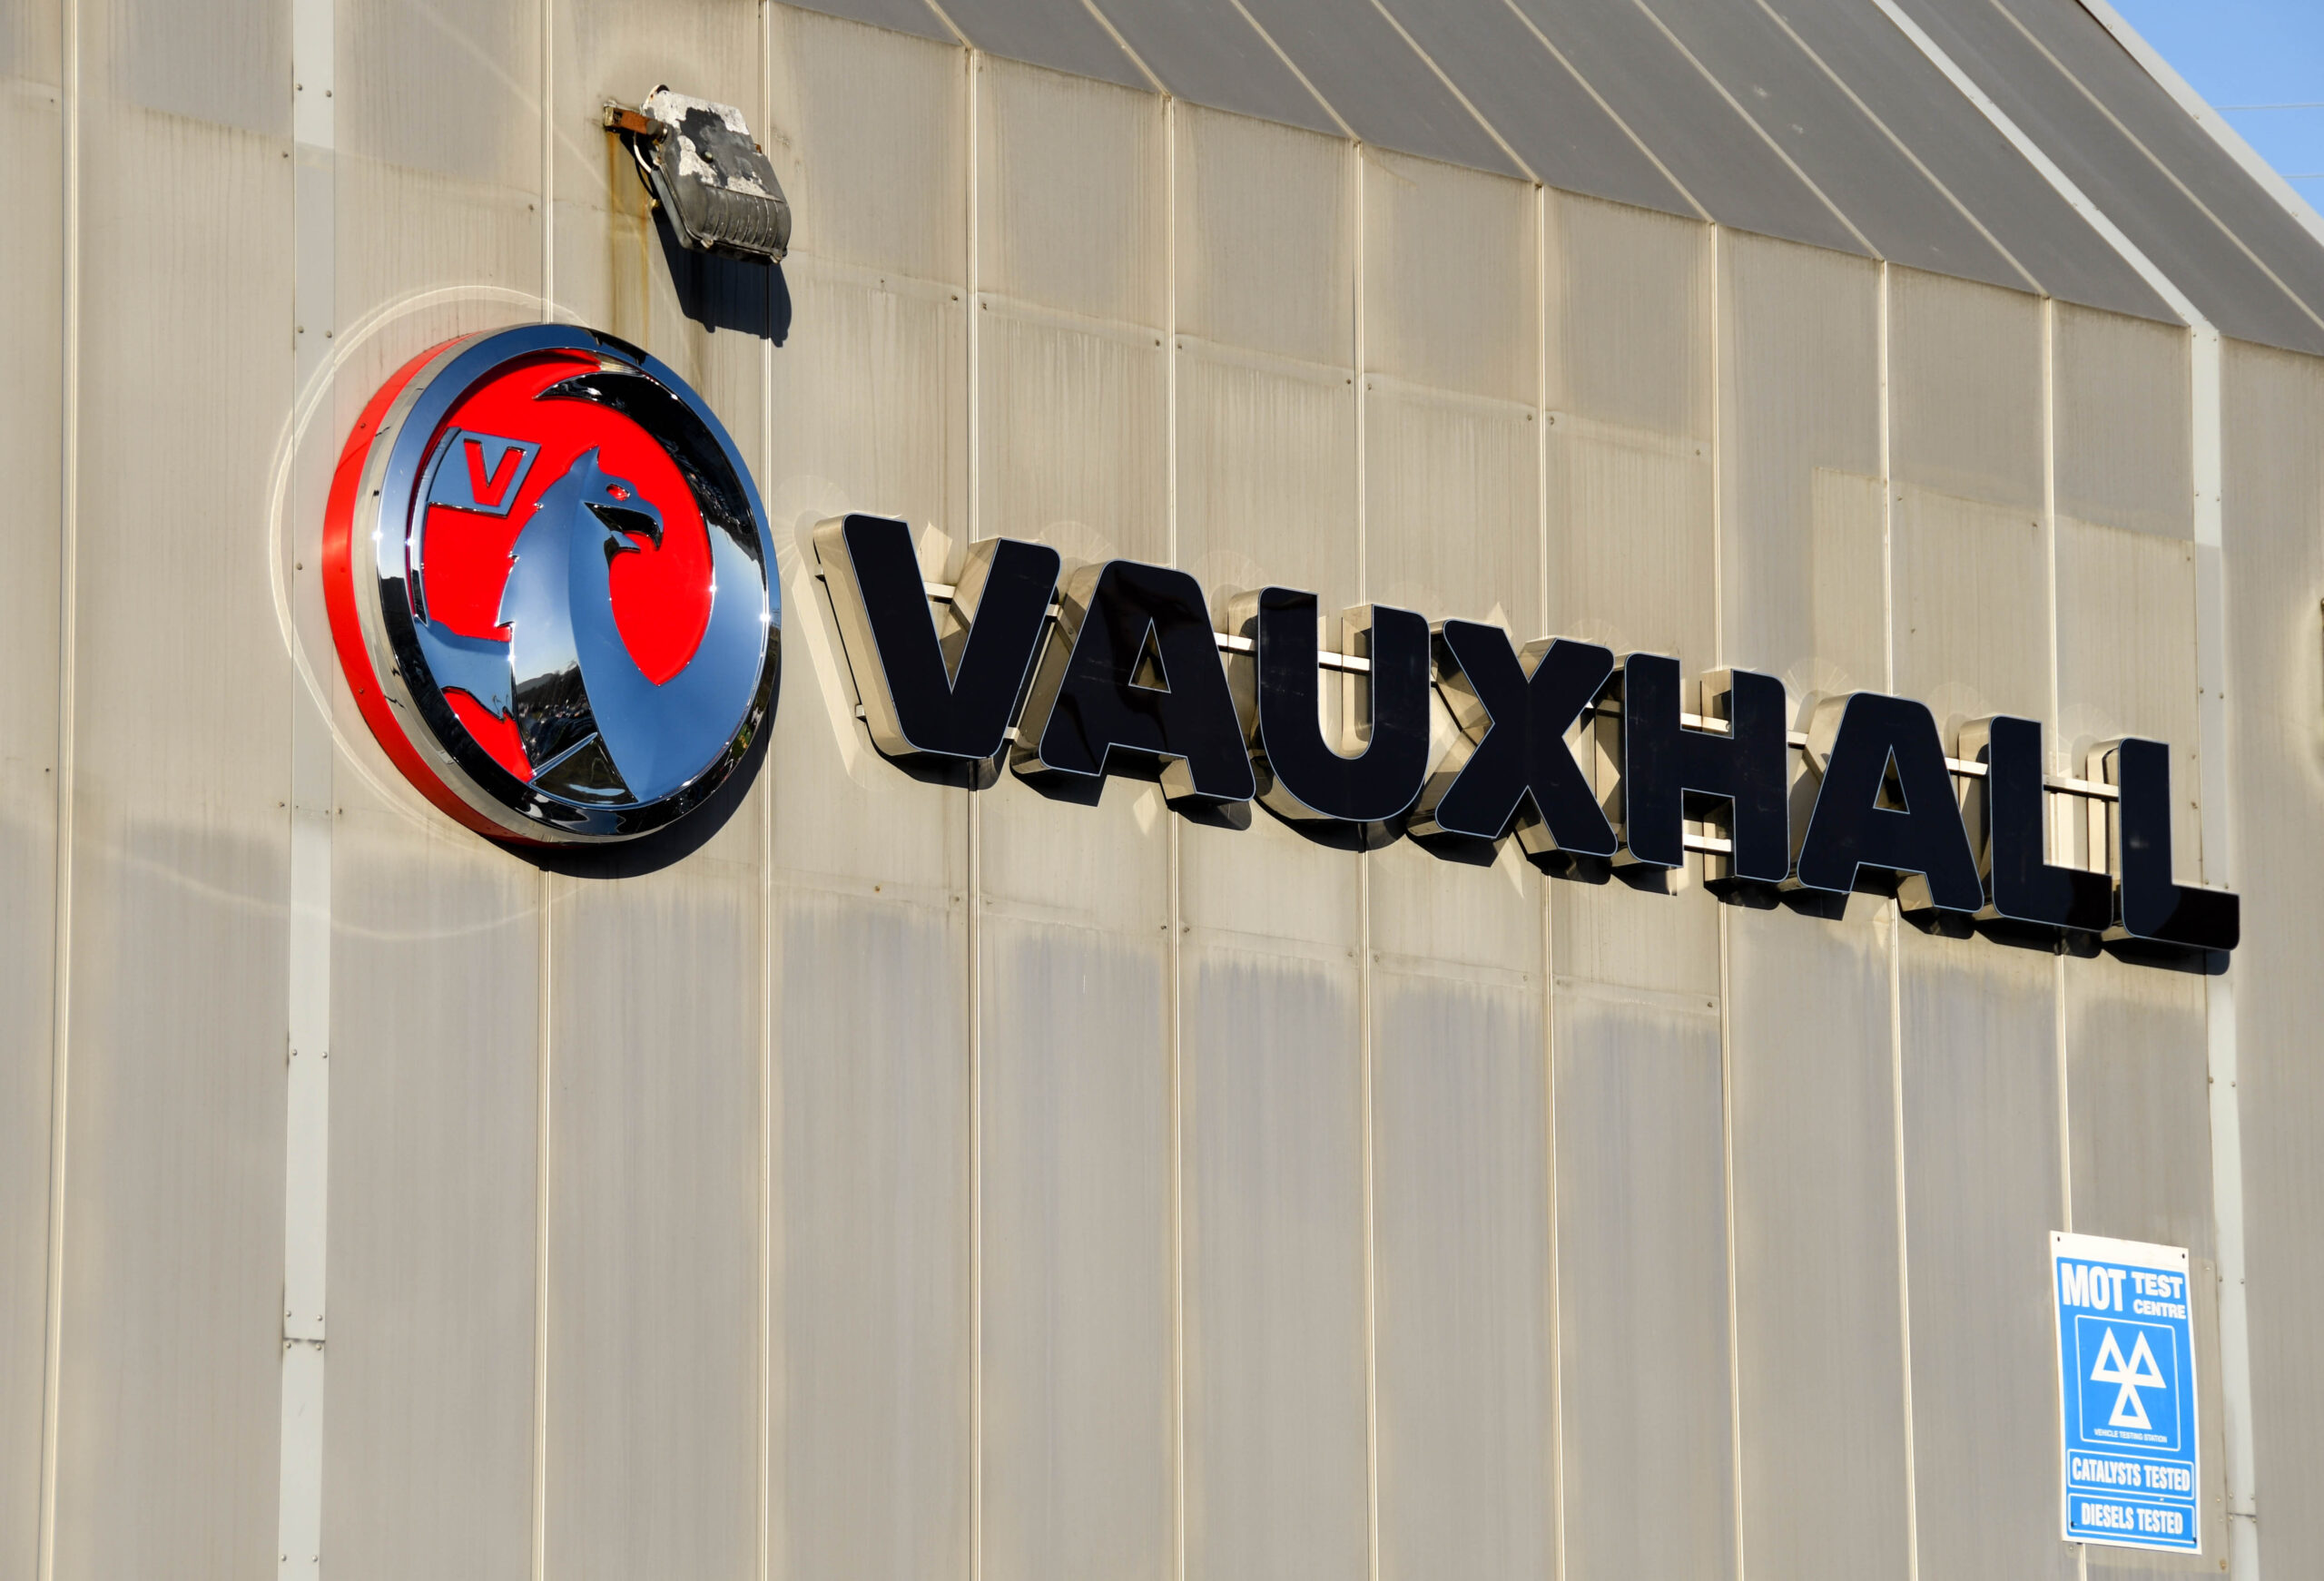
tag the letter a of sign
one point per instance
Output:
(931, 695)
(1134, 670)
(1873, 749)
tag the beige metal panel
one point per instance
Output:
(1965, 389)
(1637, 936)
(656, 985)
(1627, 343)
(1628, 316)
(2123, 422)
(452, 92)
(1076, 1170)
(1450, 291)
(1461, 1187)
(1818, 1338)
(1266, 405)
(1461, 1194)
(30, 254)
(1265, 258)
(1969, 581)
(225, 64)
(1070, 180)
(869, 1474)
(429, 1430)
(1072, 396)
(1977, 1022)
(2138, 1097)
(871, 1319)
(654, 1217)
(1642, 1230)
(1073, 916)
(2126, 663)
(170, 1401)
(1981, 1191)
(1272, 1105)
(1800, 510)
(2275, 576)
(875, 179)
(1271, 1075)
(1819, 1334)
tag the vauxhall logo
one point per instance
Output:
(1116, 666)
(548, 573)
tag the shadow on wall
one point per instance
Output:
(720, 292)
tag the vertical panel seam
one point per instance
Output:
(61, 945)
(548, 161)
(306, 1135)
(544, 1069)
(768, 1096)
(1726, 970)
(973, 373)
(544, 897)
(1175, 927)
(1895, 952)
(1548, 957)
(1359, 384)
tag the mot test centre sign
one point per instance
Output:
(2126, 1370)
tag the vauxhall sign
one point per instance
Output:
(1075, 674)
(548, 578)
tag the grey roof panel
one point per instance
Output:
(1712, 151)
(897, 15)
(1536, 104)
(1205, 54)
(2225, 286)
(2086, 49)
(1379, 86)
(1059, 34)
(1962, 150)
(1841, 150)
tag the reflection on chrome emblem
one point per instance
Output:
(549, 579)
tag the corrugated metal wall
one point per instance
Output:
(914, 1183)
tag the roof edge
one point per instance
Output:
(2199, 110)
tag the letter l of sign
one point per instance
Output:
(931, 696)
(2154, 907)
(2023, 887)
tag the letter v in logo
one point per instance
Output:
(479, 471)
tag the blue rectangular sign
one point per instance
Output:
(2126, 1372)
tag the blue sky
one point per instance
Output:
(2245, 53)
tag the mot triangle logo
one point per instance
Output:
(2136, 1373)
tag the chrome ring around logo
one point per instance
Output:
(550, 581)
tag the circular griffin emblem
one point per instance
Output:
(548, 580)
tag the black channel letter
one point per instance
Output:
(2155, 908)
(1886, 802)
(928, 695)
(2022, 885)
(1375, 773)
(1134, 670)
(1671, 773)
(1512, 764)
